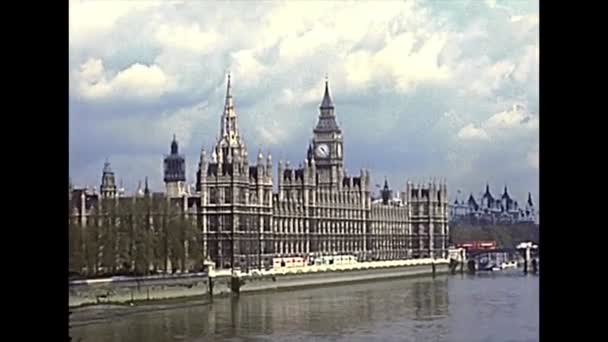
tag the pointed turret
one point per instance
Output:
(228, 104)
(229, 131)
(268, 164)
(327, 119)
(530, 202)
(327, 102)
(487, 200)
(174, 146)
(386, 192)
(505, 194)
(229, 141)
(146, 189)
(309, 153)
(471, 202)
(139, 192)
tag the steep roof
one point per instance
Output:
(327, 102)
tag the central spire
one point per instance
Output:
(228, 104)
(229, 131)
(174, 147)
(229, 144)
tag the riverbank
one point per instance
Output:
(123, 292)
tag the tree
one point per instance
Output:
(108, 234)
(75, 242)
(91, 242)
(124, 235)
(141, 237)
(507, 235)
(133, 235)
(194, 240)
(177, 237)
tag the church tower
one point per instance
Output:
(108, 183)
(175, 172)
(327, 145)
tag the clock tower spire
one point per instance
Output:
(327, 144)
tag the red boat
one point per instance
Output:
(478, 245)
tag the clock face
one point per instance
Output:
(322, 151)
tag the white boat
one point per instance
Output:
(508, 264)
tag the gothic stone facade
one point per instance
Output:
(318, 209)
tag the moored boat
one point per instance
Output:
(508, 264)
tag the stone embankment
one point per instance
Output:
(130, 291)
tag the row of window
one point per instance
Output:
(298, 196)
(229, 195)
(425, 209)
(243, 223)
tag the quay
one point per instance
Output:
(127, 290)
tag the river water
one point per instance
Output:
(484, 308)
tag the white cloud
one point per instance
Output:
(186, 37)
(400, 61)
(247, 67)
(394, 67)
(533, 159)
(271, 134)
(92, 71)
(527, 66)
(136, 81)
(142, 80)
(507, 124)
(470, 132)
(490, 78)
(359, 68)
(90, 17)
(515, 118)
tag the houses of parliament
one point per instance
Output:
(317, 210)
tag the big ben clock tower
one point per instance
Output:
(327, 145)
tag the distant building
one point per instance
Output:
(490, 210)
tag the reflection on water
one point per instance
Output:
(422, 309)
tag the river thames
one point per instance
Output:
(485, 308)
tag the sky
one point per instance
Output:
(423, 89)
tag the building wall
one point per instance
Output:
(254, 225)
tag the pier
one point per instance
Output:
(525, 255)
